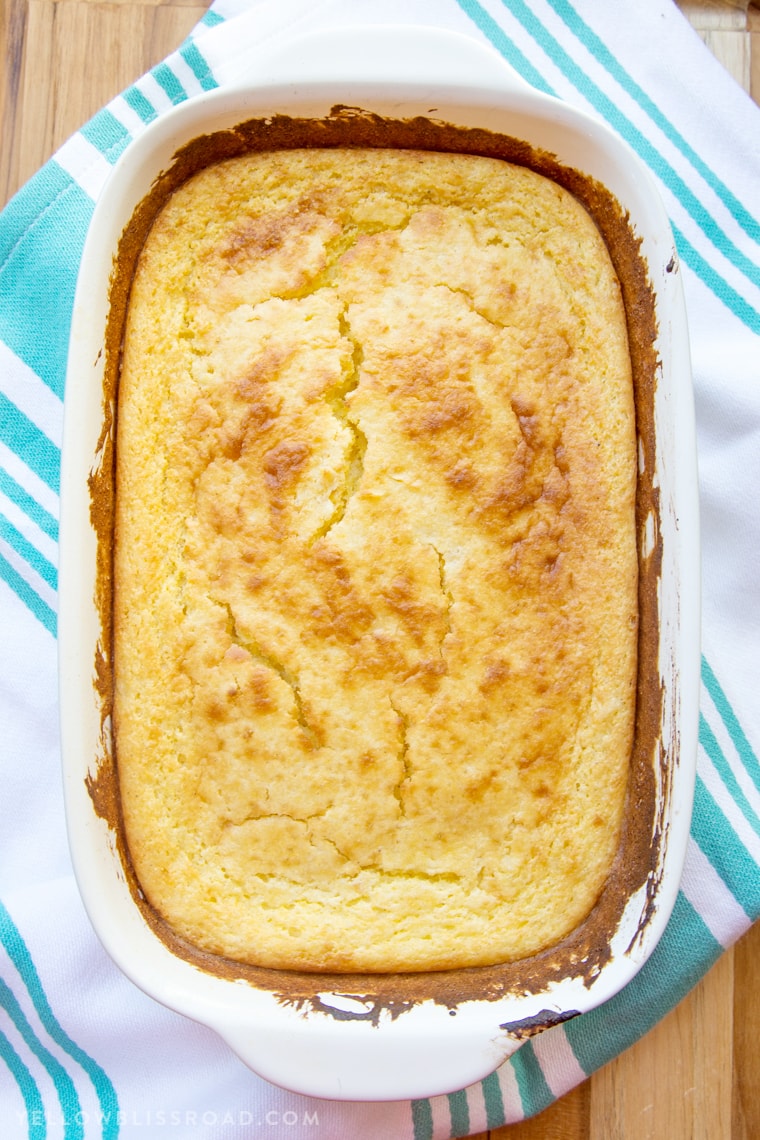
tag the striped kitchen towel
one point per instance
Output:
(84, 1054)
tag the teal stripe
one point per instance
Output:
(211, 19)
(38, 280)
(198, 66)
(107, 134)
(35, 1109)
(503, 44)
(22, 960)
(140, 105)
(24, 438)
(715, 283)
(422, 1120)
(683, 955)
(714, 751)
(166, 79)
(535, 1094)
(29, 505)
(641, 144)
(64, 1086)
(459, 1111)
(26, 550)
(29, 597)
(602, 53)
(731, 721)
(493, 1100)
(730, 859)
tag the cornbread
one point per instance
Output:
(375, 569)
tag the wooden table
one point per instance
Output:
(696, 1076)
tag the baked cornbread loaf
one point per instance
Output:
(375, 561)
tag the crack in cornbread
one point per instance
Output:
(375, 562)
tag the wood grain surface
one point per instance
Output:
(696, 1075)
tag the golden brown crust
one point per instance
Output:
(376, 586)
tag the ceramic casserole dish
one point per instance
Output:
(375, 1037)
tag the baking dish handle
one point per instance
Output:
(356, 1061)
(426, 57)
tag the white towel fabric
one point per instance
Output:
(84, 1054)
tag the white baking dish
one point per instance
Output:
(366, 1038)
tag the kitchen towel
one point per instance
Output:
(83, 1053)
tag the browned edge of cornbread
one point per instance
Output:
(584, 952)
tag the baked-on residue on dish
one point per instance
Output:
(375, 561)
